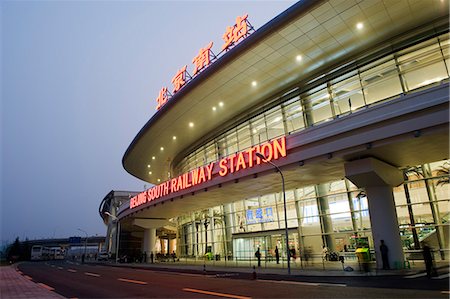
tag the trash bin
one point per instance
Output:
(363, 255)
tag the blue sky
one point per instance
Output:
(79, 80)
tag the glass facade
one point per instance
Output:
(405, 71)
(334, 214)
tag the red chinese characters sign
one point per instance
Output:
(272, 150)
(205, 57)
(235, 33)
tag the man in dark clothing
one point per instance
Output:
(277, 255)
(428, 259)
(258, 256)
(384, 255)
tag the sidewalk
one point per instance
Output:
(318, 269)
(15, 285)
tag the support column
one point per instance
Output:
(149, 241)
(172, 245)
(378, 178)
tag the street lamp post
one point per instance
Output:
(262, 157)
(85, 243)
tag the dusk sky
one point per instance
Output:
(79, 80)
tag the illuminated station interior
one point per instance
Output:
(327, 126)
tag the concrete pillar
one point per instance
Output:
(149, 241)
(172, 244)
(163, 247)
(378, 178)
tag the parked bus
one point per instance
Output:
(42, 253)
(39, 253)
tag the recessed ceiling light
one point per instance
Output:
(191, 124)
(254, 83)
(359, 26)
(214, 108)
(254, 131)
(174, 137)
(159, 180)
(148, 166)
(162, 148)
(299, 58)
(149, 172)
(221, 104)
(153, 158)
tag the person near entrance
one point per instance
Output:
(258, 256)
(277, 255)
(384, 255)
(428, 259)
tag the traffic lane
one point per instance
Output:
(107, 285)
(263, 289)
(286, 289)
(390, 282)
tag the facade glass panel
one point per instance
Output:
(239, 228)
(347, 93)
(274, 123)
(244, 136)
(422, 65)
(380, 81)
(317, 103)
(259, 130)
(293, 112)
(419, 66)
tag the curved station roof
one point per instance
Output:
(324, 33)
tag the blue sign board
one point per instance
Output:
(75, 240)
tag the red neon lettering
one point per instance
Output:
(179, 79)
(258, 150)
(241, 28)
(267, 151)
(223, 167)
(195, 176)
(233, 34)
(203, 59)
(201, 176)
(180, 183)
(209, 169)
(162, 98)
(231, 160)
(156, 192)
(166, 188)
(250, 152)
(173, 185)
(279, 148)
(240, 162)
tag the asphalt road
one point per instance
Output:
(97, 281)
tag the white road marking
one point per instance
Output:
(290, 282)
(92, 274)
(132, 281)
(442, 276)
(72, 270)
(416, 275)
(216, 294)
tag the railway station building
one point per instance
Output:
(349, 99)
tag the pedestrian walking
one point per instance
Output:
(151, 257)
(258, 256)
(384, 255)
(428, 259)
(277, 255)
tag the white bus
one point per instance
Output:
(42, 253)
(39, 253)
